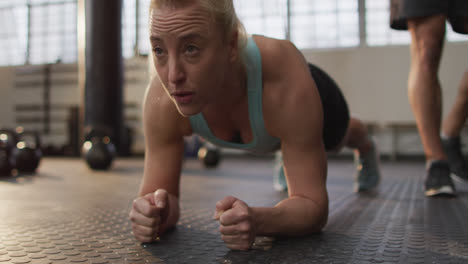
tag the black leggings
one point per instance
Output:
(335, 109)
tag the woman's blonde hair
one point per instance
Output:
(221, 11)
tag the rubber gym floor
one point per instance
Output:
(69, 214)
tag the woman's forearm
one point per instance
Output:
(291, 217)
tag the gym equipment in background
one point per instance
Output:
(29, 151)
(8, 152)
(98, 149)
(209, 155)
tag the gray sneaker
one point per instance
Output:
(367, 175)
(438, 181)
(457, 163)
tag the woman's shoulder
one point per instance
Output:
(279, 57)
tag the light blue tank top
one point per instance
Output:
(262, 142)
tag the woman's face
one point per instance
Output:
(191, 55)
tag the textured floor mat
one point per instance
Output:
(69, 214)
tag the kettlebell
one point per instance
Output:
(98, 150)
(8, 152)
(29, 153)
(209, 155)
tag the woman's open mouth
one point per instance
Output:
(183, 97)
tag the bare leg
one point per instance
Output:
(357, 137)
(457, 116)
(424, 89)
(367, 174)
(452, 126)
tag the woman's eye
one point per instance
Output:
(191, 49)
(158, 51)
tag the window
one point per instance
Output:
(13, 34)
(455, 37)
(128, 28)
(265, 17)
(37, 31)
(324, 24)
(312, 23)
(131, 38)
(44, 31)
(52, 32)
(378, 31)
(143, 33)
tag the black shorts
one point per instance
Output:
(455, 10)
(335, 108)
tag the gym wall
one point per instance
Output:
(374, 79)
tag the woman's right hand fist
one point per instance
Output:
(148, 215)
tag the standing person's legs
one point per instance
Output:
(457, 116)
(451, 130)
(454, 121)
(425, 96)
(424, 90)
